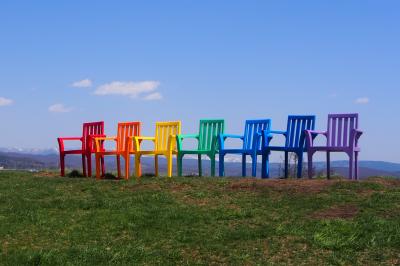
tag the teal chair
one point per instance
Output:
(209, 131)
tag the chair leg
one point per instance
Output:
(199, 164)
(179, 159)
(310, 164)
(328, 165)
(286, 164)
(265, 166)
(254, 165)
(138, 170)
(127, 165)
(119, 166)
(156, 165)
(351, 162)
(84, 165)
(62, 164)
(221, 164)
(169, 165)
(89, 164)
(356, 169)
(300, 165)
(177, 165)
(212, 165)
(103, 166)
(243, 165)
(97, 157)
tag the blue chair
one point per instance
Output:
(251, 144)
(295, 142)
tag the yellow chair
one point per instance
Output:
(164, 144)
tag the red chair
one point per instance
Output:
(90, 131)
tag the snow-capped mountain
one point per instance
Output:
(34, 151)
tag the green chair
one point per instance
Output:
(207, 143)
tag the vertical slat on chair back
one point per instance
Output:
(91, 128)
(252, 127)
(339, 129)
(208, 131)
(126, 129)
(163, 131)
(296, 125)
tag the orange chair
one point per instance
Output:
(164, 144)
(125, 131)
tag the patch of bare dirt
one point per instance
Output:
(176, 188)
(387, 182)
(342, 211)
(296, 186)
(196, 201)
(46, 174)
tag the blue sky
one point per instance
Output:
(66, 62)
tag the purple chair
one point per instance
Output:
(342, 136)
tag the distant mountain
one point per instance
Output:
(42, 160)
(378, 165)
(365, 172)
(29, 151)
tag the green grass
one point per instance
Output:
(48, 220)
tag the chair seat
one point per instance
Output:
(113, 152)
(282, 148)
(195, 152)
(74, 152)
(154, 152)
(333, 149)
(238, 151)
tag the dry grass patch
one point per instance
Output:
(284, 185)
(387, 182)
(335, 212)
(46, 174)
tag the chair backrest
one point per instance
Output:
(251, 128)
(91, 128)
(126, 129)
(163, 131)
(208, 131)
(296, 125)
(339, 129)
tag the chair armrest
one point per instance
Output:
(267, 137)
(171, 141)
(137, 140)
(188, 136)
(223, 137)
(315, 132)
(278, 132)
(356, 135)
(98, 141)
(358, 132)
(70, 138)
(105, 138)
(310, 135)
(91, 141)
(62, 139)
(181, 137)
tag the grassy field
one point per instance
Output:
(47, 220)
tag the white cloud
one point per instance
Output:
(142, 89)
(5, 101)
(362, 100)
(59, 108)
(84, 83)
(153, 96)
